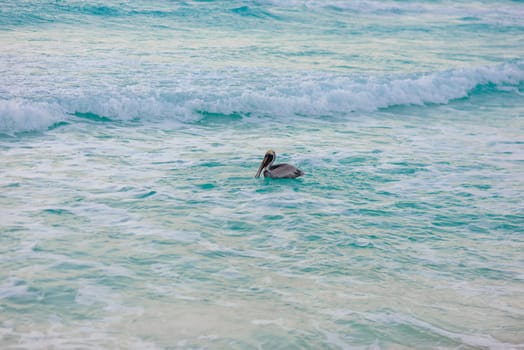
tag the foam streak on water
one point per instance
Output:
(130, 134)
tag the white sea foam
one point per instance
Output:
(13, 287)
(312, 94)
(59, 335)
(21, 115)
(474, 340)
(360, 6)
(91, 294)
(395, 7)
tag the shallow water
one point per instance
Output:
(130, 135)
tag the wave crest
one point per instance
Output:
(312, 94)
(19, 115)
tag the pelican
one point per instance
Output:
(277, 171)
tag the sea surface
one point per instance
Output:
(131, 131)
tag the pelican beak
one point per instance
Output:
(264, 163)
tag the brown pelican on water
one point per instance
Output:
(277, 171)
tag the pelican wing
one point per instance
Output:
(282, 171)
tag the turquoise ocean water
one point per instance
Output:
(131, 131)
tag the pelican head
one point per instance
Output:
(269, 158)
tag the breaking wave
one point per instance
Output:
(310, 94)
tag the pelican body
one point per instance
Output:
(277, 171)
